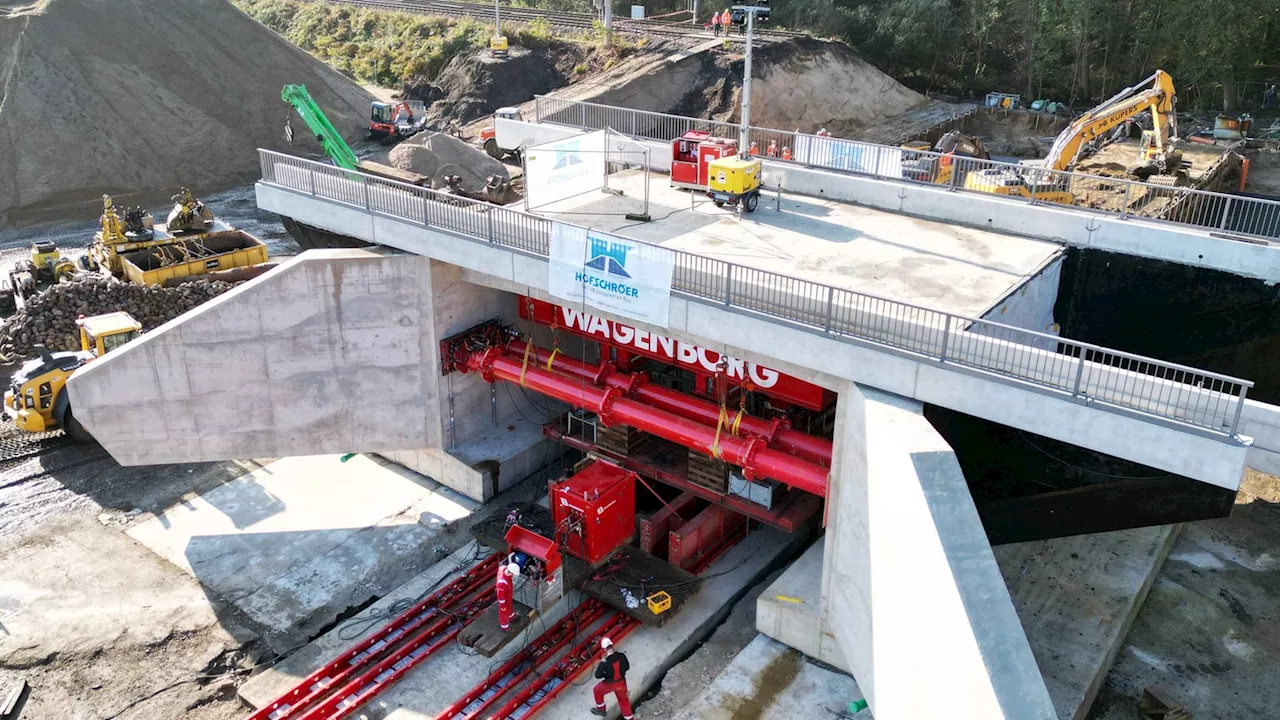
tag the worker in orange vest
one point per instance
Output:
(772, 150)
(505, 589)
(727, 21)
(753, 149)
(786, 153)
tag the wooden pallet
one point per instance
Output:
(622, 440)
(708, 472)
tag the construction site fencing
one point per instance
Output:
(1120, 197)
(1089, 373)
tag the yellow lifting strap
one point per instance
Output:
(524, 367)
(554, 353)
(737, 421)
(720, 423)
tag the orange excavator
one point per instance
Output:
(393, 122)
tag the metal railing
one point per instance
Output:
(1121, 197)
(1166, 391)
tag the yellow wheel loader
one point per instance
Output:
(37, 398)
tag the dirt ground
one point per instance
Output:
(1208, 635)
(119, 632)
(1264, 173)
(1016, 134)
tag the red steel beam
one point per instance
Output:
(523, 663)
(337, 672)
(637, 386)
(569, 667)
(654, 529)
(376, 679)
(752, 455)
(699, 536)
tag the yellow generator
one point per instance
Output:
(498, 46)
(37, 400)
(734, 181)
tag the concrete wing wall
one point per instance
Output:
(912, 592)
(332, 352)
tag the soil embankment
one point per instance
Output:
(138, 98)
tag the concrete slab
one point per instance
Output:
(1077, 598)
(770, 681)
(299, 541)
(439, 680)
(946, 267)
(790, 610)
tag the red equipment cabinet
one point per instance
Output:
(595, 511)
(690, 155)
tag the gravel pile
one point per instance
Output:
(50, 317)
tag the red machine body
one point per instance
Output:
(690, 155)
(595, 511)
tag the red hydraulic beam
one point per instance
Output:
(752, 455)
(376, 679)
(337, 672)
(522, 664)
(548, 686)
(775, 432)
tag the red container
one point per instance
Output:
(595, 511)
(690, 155)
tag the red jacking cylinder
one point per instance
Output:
(751, 454)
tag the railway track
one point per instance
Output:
(561, 19)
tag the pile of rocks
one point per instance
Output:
(50, 317)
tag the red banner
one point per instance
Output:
(700, 361)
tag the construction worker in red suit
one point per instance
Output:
(505, 587)
(612, 673)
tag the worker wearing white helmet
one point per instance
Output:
(504, 587)
(612, 673)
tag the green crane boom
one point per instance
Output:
(334, 146)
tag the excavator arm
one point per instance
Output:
(1158, 98)
(334, 146)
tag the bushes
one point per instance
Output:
(372, 46)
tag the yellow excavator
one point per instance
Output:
(1158, 155)
(938, 169)
(37, 398)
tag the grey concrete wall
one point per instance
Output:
(1030, 305)
(912, 592)
(823, 359)
(1143, 238)
(332, 352)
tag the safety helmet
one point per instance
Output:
(605, 643)
(514, 569)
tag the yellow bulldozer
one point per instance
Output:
(37, 398)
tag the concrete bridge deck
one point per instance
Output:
(1164, 416)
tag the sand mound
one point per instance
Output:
(438, 154)
(137, 98)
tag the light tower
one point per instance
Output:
(750, 11)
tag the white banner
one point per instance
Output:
(610, 273)
(564, 168)
(848, 155)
